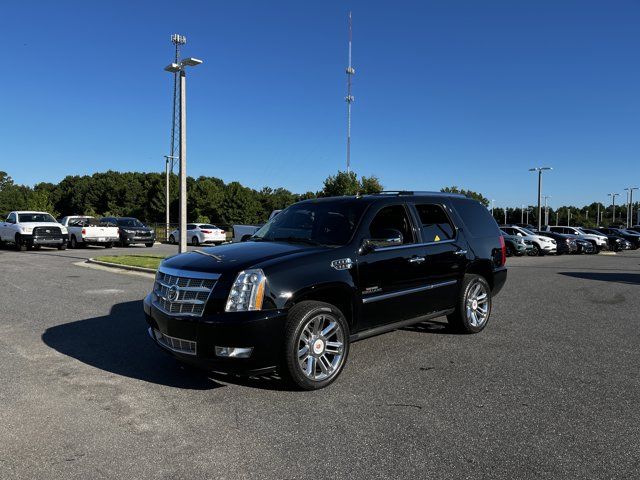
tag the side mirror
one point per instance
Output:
(387, 237)
(519, 234)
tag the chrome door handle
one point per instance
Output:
(417, 259)
(460, 252)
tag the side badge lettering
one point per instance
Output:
(342, 264)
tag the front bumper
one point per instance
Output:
(135, 238)
(263, 331)
(48, 241)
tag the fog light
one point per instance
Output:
(233, 352)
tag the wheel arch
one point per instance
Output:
(338, 294)
(482, 268)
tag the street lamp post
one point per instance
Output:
(546, 209)
(168, 168)
(173, 68)
(613, 200)
(630, 206)
(522, 213)
(539, 170)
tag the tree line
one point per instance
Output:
(210, 199)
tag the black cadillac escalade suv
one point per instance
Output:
(324, 273)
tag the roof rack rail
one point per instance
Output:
(416, 192)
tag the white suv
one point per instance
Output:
(198, 233)
(598, 241)
(27, 230)
(541, 245)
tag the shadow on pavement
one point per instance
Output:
(626, 278)
(118, 343)
(431, 326)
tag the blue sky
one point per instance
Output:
(460, 93)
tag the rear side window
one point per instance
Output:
(476, 218)
(191, 226)
(436, 225)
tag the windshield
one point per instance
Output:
(314, 223)
(36, 217)
(130, 222)
(527, 232)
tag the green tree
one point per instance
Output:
(370, 185)
(468, 193)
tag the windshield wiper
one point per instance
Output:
(308, 241)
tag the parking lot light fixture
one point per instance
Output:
(630, 205)
(540, 170)
(180, 68)
(613, 202)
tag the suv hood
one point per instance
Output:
(234, 257)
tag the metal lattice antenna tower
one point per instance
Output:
(349, 98)
(178, 41)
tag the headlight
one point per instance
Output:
(151, 231)
(247, 291)
(63, 230)
(27, 229)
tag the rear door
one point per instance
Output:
(445, 251)
(391, 278)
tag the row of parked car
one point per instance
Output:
(32, 230)
(521, 239)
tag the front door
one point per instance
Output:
(392, 278)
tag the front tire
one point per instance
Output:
(20, 246)
(172, 240)
(316, 345)
(108, 245)
(148, 245)
(62, 246)
(474, 305)
(195, 241)
(535, 251)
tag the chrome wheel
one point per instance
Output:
(477, 305)
(320, 347)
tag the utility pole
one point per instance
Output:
(539, 170)
(527, 215)
(568, 216)
(180, 68)
(505, 215)
(613, 199)
(522, 213)
(349, 98)
(598, 215)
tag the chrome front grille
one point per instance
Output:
(183, 293)
(179, 345)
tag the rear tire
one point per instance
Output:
(316, 345)
(108, 245)
(474, 305)
(62, 247)
(148, 245)
(172, 240)
(73, 243)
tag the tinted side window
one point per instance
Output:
(393, 217)
(476, 218)
(191, 226)
(435, 223)
(11, 218)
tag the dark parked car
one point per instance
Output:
(132, 231)
(632, 237)
(324, 273)
(515, 245)
(585, 246)
(616, 243)
(564, 243)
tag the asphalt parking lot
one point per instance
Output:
(549, 390)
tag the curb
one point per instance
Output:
(121, 267)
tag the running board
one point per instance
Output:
(396, 325)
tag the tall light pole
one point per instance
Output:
(349, 99)
(540, 170)
(168, 168)
(630, 206)
(492, 205)
(598, 215)
(568, 216)
(528, 216)
(613, 200)
(546, 209)
(180, 68)
(522, 213)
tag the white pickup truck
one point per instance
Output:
(85, 231)
(27, 230)
(243, 232)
